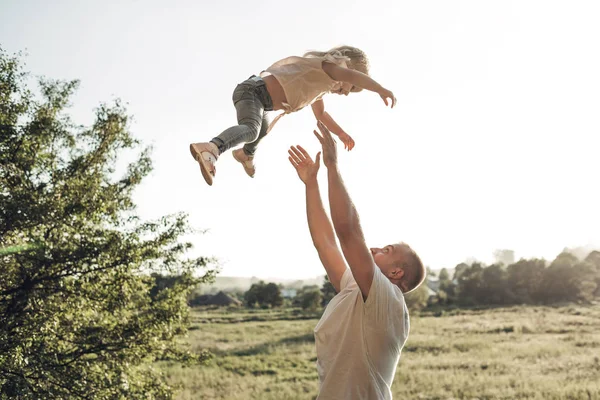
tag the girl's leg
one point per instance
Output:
(250, 147)
(245, 155)
(250, 115)
(250, 112)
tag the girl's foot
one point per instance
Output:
(206, 154)
(246, 160)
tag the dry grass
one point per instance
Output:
(508, 353)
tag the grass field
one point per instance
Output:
(506, 353)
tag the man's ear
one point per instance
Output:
(396, 277)
(397, 273)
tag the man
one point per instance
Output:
(363, 329)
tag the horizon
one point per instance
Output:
(579, 252)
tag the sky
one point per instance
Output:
(493, 143)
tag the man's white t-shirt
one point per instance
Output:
(359, 342)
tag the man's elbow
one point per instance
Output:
(346, 231)
(323, 244)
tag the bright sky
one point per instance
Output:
(493, 143)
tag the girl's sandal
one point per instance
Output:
(246, 160)
(203, 153)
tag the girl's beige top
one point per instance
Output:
(303, 80)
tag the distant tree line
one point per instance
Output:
(527, 281)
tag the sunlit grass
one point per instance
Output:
(505, 353)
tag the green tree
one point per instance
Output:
(309, 298)
(494, 282)
(470, 286)
(459, 270)
(594, 260)
(523, 281)
(327, 292)
(556, 284)
(298, 298)
(76, 316)
(444, 275)
(263, 295)
(584, 281)
(447, 289)
(417, 299)
(568, 279)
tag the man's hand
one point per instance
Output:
(328, 144)
(304, 165)
(321, 230)
(387, 94)
(347, 140)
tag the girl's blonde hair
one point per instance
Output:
(357, 59)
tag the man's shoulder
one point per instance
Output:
(347, 281)
(384, 288)
(385, 303)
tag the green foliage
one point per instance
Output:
(263, 295)
(566, 279)
(444, 276)
(593, 259)
(417, 299)
(308, 298)
(524, 279)
(470, 285)
(77, 318)
(327, 291)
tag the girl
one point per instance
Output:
(289, 85)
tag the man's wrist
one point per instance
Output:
(333, 168)
(312, 183)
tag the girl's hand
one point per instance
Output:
(387, 94)
(347, 140)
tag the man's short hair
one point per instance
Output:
(413, 261)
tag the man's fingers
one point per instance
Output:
(298, 153)
(323, 129)
(318, 160)
(294, 156)
(304, 152)
(325, 132)
(318, 136)
(293, 163)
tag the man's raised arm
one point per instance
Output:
(345, 218)
(319, 225)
